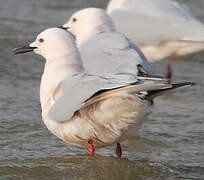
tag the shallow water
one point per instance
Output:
(169, 146)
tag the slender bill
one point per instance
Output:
(23, 49)
(65, 28)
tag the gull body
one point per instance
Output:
(69, 108)
(161, 28)
(83, 109)
(65, 88)
(104, 50)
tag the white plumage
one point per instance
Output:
(80, 108)
(104, 50)
(64, 91)
(161, 28)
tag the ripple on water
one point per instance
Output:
(80, 167)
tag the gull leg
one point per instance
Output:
(91, 148)
(118, 150)
(168, 74)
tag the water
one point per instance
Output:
(170, 145)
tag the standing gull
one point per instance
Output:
(83, 109)
(104, 51)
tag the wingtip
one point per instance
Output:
(193, 83)
(190, 83)
(184, 84)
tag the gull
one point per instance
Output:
(104, 51)
(163, 29)
(88, 110)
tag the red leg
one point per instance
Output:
(168, 74)
(91, 148)
(118, 150)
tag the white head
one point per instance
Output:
(54, 44)
(88, 22)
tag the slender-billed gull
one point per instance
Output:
(83, 109)
(104, 50)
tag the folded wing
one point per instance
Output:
(74, 91)
(84, 90)
(111, 53)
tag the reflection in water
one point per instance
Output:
(81, 167)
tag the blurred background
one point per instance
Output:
(170, 145)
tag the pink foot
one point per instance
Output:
(91, 148)
(118, 150)
(168, 74)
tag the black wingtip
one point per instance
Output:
(184, 84)
(154, 93)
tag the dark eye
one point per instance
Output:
(41, 40)
(74, 20)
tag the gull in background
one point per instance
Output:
(104, 51)
(88, 110)
(163, 29)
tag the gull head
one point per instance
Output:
(88, 22)
(52, 43)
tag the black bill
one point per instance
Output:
(67, 29)
(23, 49)
(64, 28)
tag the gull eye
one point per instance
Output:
(41, 40)
(74, 20)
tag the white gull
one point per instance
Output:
(103, 50)
(83, 109)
